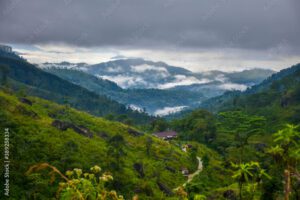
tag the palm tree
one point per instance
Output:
(246, 172)
(287, 141)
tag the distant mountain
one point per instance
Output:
(154, 101)
(142, 74)
(36, 82)
(278, 95)
(155, 86)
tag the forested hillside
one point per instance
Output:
(25, 77)
(45, 132)
(277, 98)
(248, 148)
(151, 100)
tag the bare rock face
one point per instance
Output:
(63, 126)
(24, 111)
(140, 169)
(103, 135)
(134, 132)
(164, 188)
(171, 169)
(26, 101)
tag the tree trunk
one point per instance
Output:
(287, 184)
(241, 188)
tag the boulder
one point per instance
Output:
(134, 132)
(22, 110)
(140, 169)
(82, 131)
(103, 135)
(78, 129)
(25, 101)
(61, 125)
(164, 188)
(171, 169)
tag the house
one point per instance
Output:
(184, 171)
(166, 135)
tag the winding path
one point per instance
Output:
(191, 176)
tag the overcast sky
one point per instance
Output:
(196, 34)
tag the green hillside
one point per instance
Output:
(277, 98)
(33, 81)
(37, 134)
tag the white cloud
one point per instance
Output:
(115, 69)
(124, 81)
(233, 86)
(194, 60)
(183, 80)
(169, 110)
(135, 107)
(143, 68)
(221, 78)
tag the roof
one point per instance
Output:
(166, 134)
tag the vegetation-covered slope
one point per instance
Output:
(277, 98)
(41, 131)
(39, 83)
(150, 99)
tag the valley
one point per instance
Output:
(64, 121)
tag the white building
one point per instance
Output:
(5, 48)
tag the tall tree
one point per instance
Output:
(242, 126)
(116, 151)
(4, 70)
(286, 152)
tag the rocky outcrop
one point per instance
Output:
(140, 169)
(25, 101)
(103, 135)
(134, 133)
(164, 188)
(63, 126)
(23, 111)
(171, 169)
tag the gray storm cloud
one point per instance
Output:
(255, 24)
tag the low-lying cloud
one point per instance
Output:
(169, 110)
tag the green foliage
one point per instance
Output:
(34, 139)
(198, 126)
(4, 70)
(48, 86)
(77, 185)
(246, 173)
(286, 154)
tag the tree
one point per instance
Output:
(116, 151)
(242, 126)
(286, 152)
(159, 125)
(149, 142)
(198, 126)
(244, 172)
(4, 70)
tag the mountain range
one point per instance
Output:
(239, 129)
(154, 87)
(26, 78)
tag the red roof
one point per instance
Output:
(166, 134)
